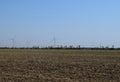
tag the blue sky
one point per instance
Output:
(72, 22)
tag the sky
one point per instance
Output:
(71, 22)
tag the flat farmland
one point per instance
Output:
(28, 65)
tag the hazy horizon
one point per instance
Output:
(71, 22)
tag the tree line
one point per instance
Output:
(65, 47)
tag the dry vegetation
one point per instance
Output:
(59, 65)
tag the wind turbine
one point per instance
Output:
(54, 41)
(13, 42)
(27, 44)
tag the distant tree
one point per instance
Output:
(65, 46)
(71, 46)
(113, 46)
(78, 46)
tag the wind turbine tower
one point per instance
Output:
(54, 41)
(13, 42)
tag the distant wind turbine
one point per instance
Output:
(27, 44)
(13, 42)
(54, 41)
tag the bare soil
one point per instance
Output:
(17, 65)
